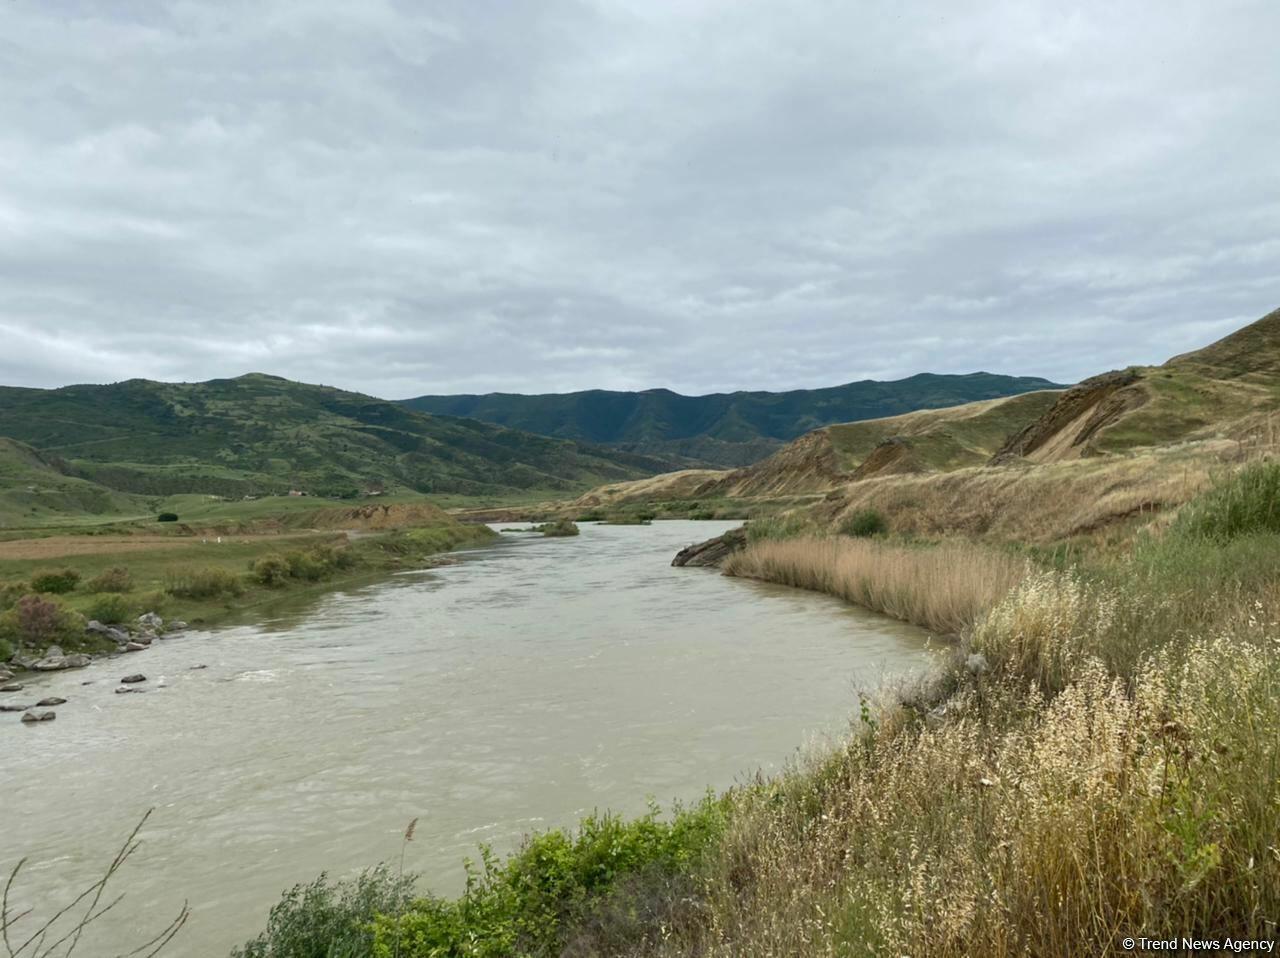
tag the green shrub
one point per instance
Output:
(324, 920)
(155, 601)
(167, 517)
(209, 582)
(6, 649)
(528, 904)
(1246, 503)
(864, 523)
(308, 566)
(591, 515)
(558, 527)
(271, 570)
(110, 607)
(55, 581)
(11, 592)
(36, 622)
(115, 579)
(777, 527)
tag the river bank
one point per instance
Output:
(90, 596)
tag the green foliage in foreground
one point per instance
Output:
(1248, 502)
(330, 919)
(533, 903)
(527, 904)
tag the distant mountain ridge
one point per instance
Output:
(723, 429)
(260, 434)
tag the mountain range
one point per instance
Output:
(720, 429)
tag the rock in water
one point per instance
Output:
(131, 679)
(14, 708)
(52, 700)
(78, 660)
(713, 551)
(11, 687)
(39, 716)
(128, 688)
(134, 646)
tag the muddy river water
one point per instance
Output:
(534, 680)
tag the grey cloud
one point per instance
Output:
(702, 195)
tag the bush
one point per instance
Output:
(167, 517)
(111, 608)
(306, 566)
(154, 601)
(36, 622)
(271, 570)
(209, 582)
(531, 903)
(324, 920)
(558, 527)
(864, 523)
(55, 581)
(11, 592)
(115, 579)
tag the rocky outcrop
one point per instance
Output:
(712, 552)
(55, 661)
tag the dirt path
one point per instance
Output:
(53, 547)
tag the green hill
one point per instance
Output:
(725, 429)
(35, 489)
(259, 434)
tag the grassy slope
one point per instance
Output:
(724, 428)
(258, 434)
(34, 490)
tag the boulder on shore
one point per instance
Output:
(30, 717)
(712, 552)
(149, 620)
(134, 646)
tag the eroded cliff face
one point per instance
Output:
(1066, 430)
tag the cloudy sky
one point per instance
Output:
(412, 197)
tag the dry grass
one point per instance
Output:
(1038, 503)
(1020, 826)
(944, 589)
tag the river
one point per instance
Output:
(532, 681)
